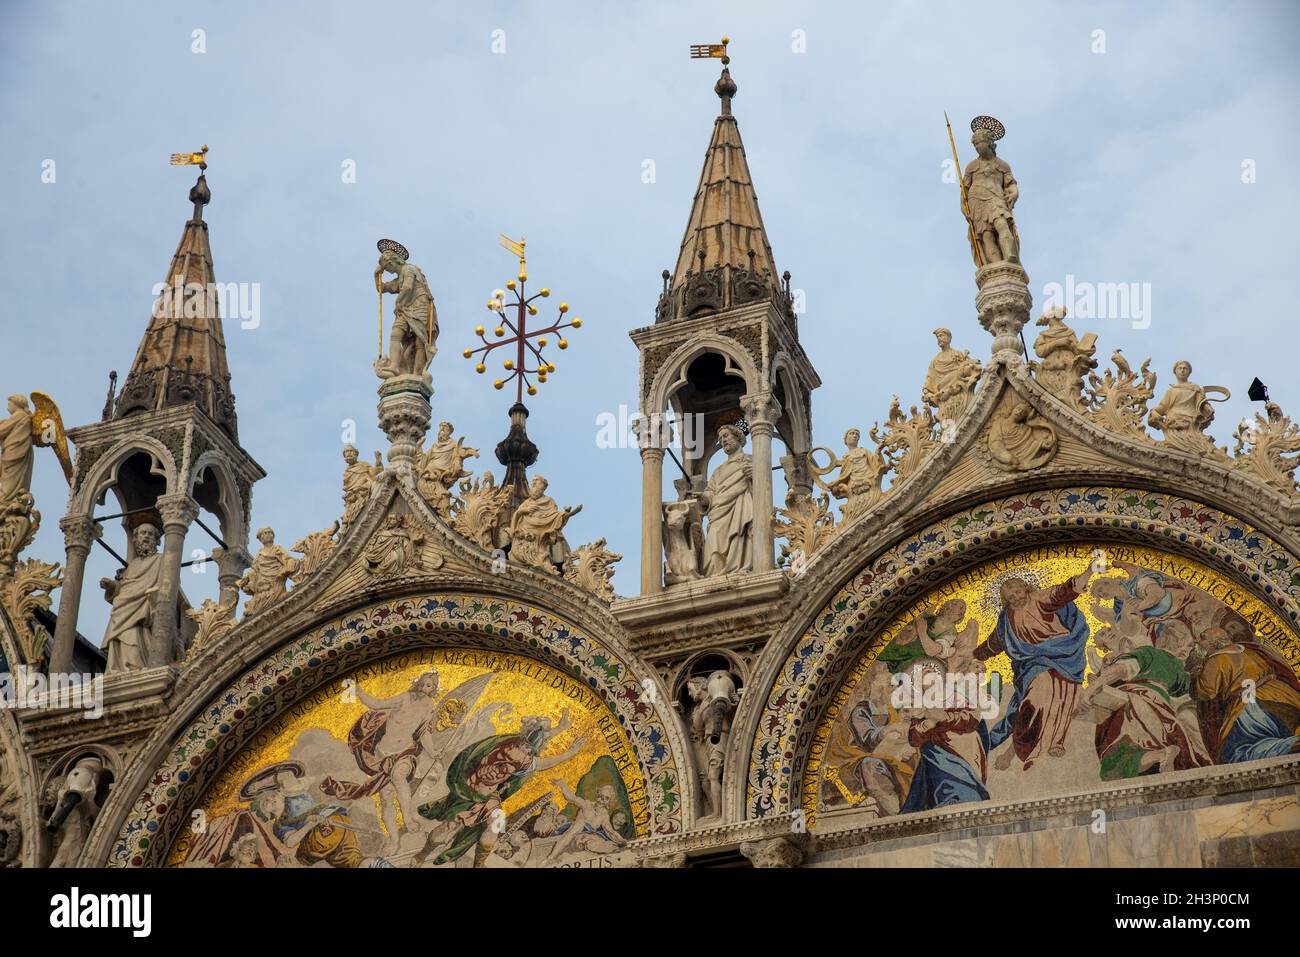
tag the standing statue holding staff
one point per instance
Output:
(413, 340)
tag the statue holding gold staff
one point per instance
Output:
(413, 339)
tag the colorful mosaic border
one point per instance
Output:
(840, 629)
(235, 715)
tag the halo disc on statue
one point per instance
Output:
(990, 123)
(392, 244)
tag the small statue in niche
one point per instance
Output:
(75, 808)
(132, 593)
(728, 502)
(714, 699)
(683, 536)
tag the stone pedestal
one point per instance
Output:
(1003, 302)
(404, 415)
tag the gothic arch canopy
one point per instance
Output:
(807, 664)
(225, 723)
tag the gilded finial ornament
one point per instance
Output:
(199, 159)
(704, 51)
(527, 344)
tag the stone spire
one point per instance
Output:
(725, 258)
(182, 357)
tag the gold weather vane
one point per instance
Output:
(527, 343)
(199, 159)
(703, 51)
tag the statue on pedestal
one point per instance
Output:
(950, 379)
(267, 580)
(132, 593)
(728, 503)
(537, 528)
(1185, 411)
(413, 340)
(441, 467)
(991, 193)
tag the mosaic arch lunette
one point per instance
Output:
(889, 593)
(439, 627)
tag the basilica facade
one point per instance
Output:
(1033, 616)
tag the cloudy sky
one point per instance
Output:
(1155, 144)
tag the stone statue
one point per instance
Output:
(1019, 438)
(396, 547)
(950, 379)
(413, 341)
(441, 467)
(683, 536)
(75, 810)
(592, 567)
(728, 503)
(714, 699)
(17, 451)
(1066, 358)
(861, 473)
(132, 593)
(267, 580)
(991, 194)
(536, 528)
(358, 479)
(1185, 411)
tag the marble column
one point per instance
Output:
(79, 532)
(231, 564)
(761, 412)
(652, 437)
(177, 512)
(652, 521)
